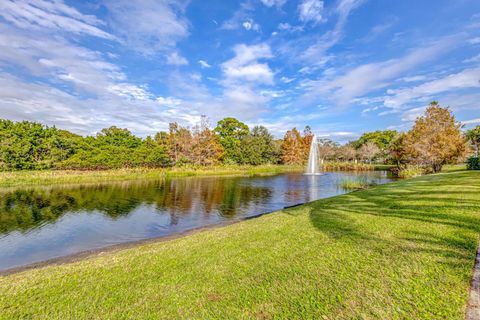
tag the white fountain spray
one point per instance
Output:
(312, 166)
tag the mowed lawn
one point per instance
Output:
(399, 251)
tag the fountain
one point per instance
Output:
(313, 166)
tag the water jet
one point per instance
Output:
(313, 167)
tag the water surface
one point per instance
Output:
(42, 223)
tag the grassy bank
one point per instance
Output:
(26, 178)
(20, 178)
(404, 250)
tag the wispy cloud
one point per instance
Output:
(370, 77)
(468, 78)
(271, 3)
(53, 15)
(204, 64)
(380, 29)
(311, 11)
(241, 15)
(471, 121)
(175, 58)
(149, 26)
(343, 9)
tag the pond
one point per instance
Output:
(41, 223)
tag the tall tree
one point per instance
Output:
(327, 149)
(307, 141)
(258, 147)
(206, 149)
(231, 132)
(346, 152)
(293, 148)
(368, 151)
(473, 136)
(181, 143)
(435, 139)
(398, 151)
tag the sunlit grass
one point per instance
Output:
(356, 183)
(404, 250)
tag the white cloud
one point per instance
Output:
(204, 64)
(239, 17)
(414, 113)
(317, 50)
(52, 15)
(474, 40)
(414, 78)
(149, 26)
(285, 26)
(471, 121)
(168, 101)
(176, 59)
(286, 79)
(78, 90)
(130, 91)
(472, 59)
(250, 25)
(271, 3)
(311, 11)
(468, 78)
(379, 29)
(245, 65)
(373, 76)
(20, 100)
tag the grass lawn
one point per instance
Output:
(399, 251)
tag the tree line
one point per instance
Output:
(435, 140)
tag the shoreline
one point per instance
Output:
(92, 253)
(18, 179)
(13, 179)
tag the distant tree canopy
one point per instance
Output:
(434, 140)
(231, 132)
(32, 146)
(473, 136)
(380, 138)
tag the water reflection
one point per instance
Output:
(41, 223)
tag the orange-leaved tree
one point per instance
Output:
(293, 148)
(435, 139)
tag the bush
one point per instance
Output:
(473, 163)
(347, 166)
(409, 172)
(355, 184)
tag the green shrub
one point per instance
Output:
(473, 163)
(355, 184)
(347, 166)
(410, 172)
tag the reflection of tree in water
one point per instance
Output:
(26, 209)
(296, 191)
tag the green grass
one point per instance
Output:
(25, 178)
(404, 250)
(355, 184)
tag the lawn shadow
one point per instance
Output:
(431, 209)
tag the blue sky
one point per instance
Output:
(343, 66)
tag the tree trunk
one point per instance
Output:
(437, 167)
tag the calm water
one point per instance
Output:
(37, 224)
